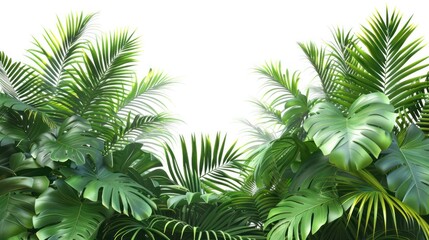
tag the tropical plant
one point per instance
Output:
(348, 162)
(78, 134)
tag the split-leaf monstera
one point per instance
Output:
(352, 140)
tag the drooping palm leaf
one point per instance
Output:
(272, 162)
(128, 228)
(215, 167)
(19, 81)
(303, 213)
(62, 214)
(406, 166)
(207, 222)
(352, 140)
(345, 93)
(100, 83)
(366, 200)
(323, 66)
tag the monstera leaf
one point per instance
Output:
(62, 214)
(352, 139)
(302, 213)
(407, 166)
(16, 211)
(71, 141)
(114, 190)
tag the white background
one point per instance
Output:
(210, 47)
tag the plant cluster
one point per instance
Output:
(80, 136)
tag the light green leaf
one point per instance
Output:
(406, 165)
(303, 213)
(115, 190)
(62, 214)
(352, 139)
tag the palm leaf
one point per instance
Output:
(303, 213)
(406, 166)
(146, 96)
(97, 87)
(207, 222)
(214, 168)
(367, 199)
(388, 63)
(322, 65)
(19, 81)
(62, 214)
(351, 140)
(59, 51)
(128, 228)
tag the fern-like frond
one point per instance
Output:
(55, 55)
(20, 81)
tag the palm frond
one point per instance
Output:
(98, 87)
(147, 96)
(388, 62)
(345, 92)
(20, 81)
(122, 227)
(55, 55)
(367, 199)
(323, 66)
(303, 213)
(280, 84)
(207, 222)
(214, 168)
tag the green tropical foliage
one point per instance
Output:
(350, 159)
(86, 153)
(79, 134)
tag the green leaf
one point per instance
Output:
(116, 191)
(406, 165)
(71, 141)
(213, 168)
(62, 214)
(303, 213)
(352, 139)
(16, 211)
(35, 184)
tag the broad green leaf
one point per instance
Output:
(352, 139)
(115, 191)
(61, 213)
(16, 211)
(71, 141)
(303, 213)
(406, 165)
(21, 183)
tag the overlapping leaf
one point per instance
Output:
(303, 213)
(352, 140)
(71, 141)
(406, 165)
(62, 214)
(115, 191)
